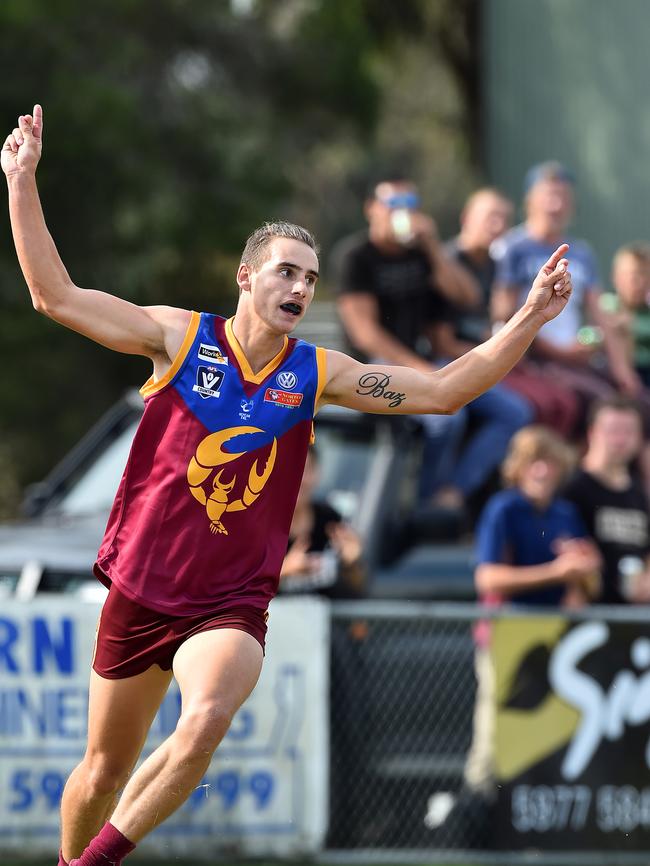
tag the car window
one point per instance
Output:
(344, 456)
(95, 490)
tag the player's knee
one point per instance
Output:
(105, 776)
(201, 728)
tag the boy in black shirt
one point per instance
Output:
(612, 502)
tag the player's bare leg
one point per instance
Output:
(216, 671)
(119, 715)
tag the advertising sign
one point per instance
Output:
(572, 751)
(266, 791)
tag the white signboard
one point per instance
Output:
(266, 791)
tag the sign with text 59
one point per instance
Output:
(266, 790)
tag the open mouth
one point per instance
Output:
(291, 308)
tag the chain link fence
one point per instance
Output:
(402, 696)
(403, 689)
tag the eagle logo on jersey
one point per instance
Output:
(209, 454)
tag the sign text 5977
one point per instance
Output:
(549, 808)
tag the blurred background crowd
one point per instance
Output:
(439, 150)
(437, 181)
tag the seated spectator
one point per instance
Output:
(581, 348)
(612, 503)
(484, 219)
(486, 216)
(631, 303)
(532, 546)
(324, 553)
(394, 283)
(531, 551)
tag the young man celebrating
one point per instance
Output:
(199, 528)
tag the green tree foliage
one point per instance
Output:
(173, 128)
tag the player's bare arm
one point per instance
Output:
(402, 390)
(156, 332)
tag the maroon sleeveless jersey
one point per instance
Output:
(202, 514)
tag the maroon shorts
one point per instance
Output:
(131, 638)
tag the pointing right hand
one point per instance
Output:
(22, 148)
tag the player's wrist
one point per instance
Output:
(530, 315)
(21, 179)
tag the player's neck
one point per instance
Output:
(258, 342)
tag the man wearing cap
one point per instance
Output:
(395, 282)
(567, 350)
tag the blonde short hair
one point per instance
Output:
(638, 250)
(535, 443)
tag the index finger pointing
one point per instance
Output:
(552, 263)
(38, 121)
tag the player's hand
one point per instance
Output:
(552, 287)
(22, 147)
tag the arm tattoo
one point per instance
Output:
(375, 385)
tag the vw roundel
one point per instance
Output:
(287, 380)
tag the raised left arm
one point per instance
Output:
(401, 390)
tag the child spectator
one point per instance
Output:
(612, 502)
(531, 545)
(631, 303)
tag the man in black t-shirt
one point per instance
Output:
(395, 283)
(612, 502)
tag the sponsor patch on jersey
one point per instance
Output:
(211, 354)
(283, 398)
(208, 382)
(287, 380)
(246, 409)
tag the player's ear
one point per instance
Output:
(244, 275)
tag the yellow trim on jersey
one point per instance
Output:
(152, 386)
(321, 364)
(245, 367)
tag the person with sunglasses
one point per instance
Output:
(395, 284)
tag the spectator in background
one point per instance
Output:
(485, 218)
(532, 547)
(631, 304)
(324, 553)
(569, 352)
(612, 503)
(394, 283)
(531, 551)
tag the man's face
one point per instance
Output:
(631, 278)
(388, 198)
(282, 287)
(487, 217)
(616, 436)
(551, 199)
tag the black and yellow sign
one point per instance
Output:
(572, 736)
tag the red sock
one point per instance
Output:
(108, 848)
(61, 860)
